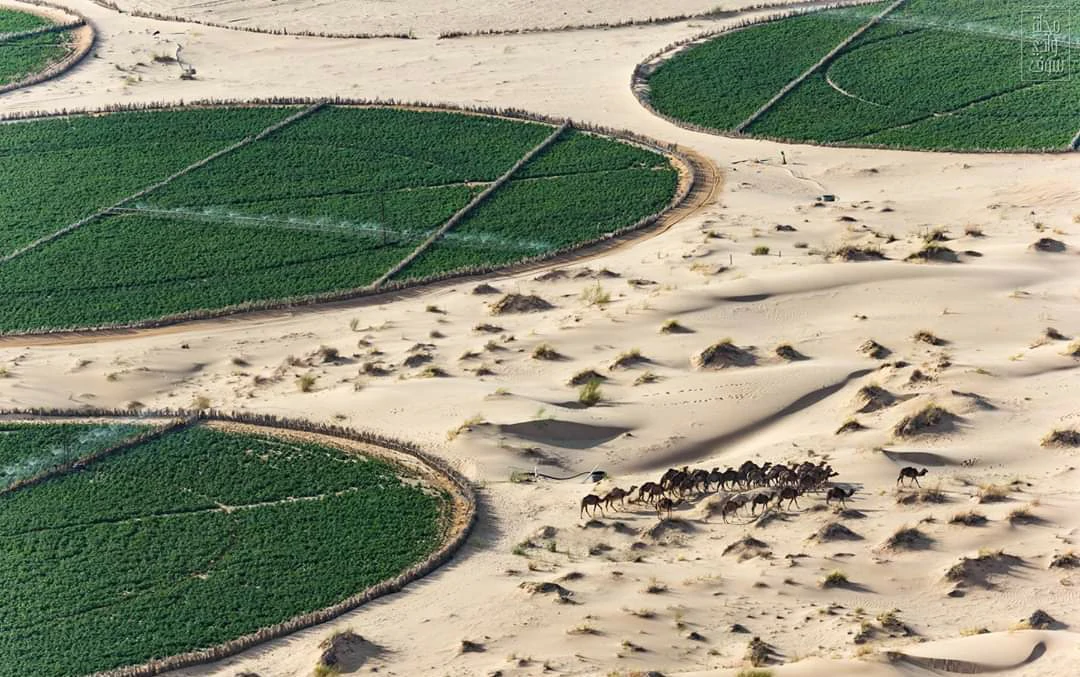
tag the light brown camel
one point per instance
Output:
(666, 505)
(619, 495)
(789, 494)
(649, 492)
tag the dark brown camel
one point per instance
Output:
(591, 501)
(649, 492)
(912, 473)
(839, 494)
(762, 498)
(789, 494)
(618, 494)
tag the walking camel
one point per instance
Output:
(591, 501)
(912, 473)
(618, 494)
(665, 505)
(839, 494)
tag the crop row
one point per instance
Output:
(161, 569)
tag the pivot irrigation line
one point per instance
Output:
(149, 189)
(1075, 143)
(473, 204)
(833, 53)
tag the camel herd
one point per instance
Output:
(750, 485)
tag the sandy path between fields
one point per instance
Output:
(991, 309)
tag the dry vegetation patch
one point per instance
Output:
(979, 570)
(1062, 438)
(872, 348)
(786, 351)
(1049, 244)
(629, 359)
(724, 354)
(857, 253)
(969, 518)
(931, 419)
(748, 547)
(520, 303)
(585, 376)
(908, 538)
(849, 426)
(935, 252)
(873, 398)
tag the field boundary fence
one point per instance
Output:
(464, 515)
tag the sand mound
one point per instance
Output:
(850, 426)
(519, 303)
(485, 288)
(980, 570)
(853, 253)
(585, 376)
(545, 588)
(347, 651)
(931, 419)
(748, 547)
(935, 252)
(872, 348)
(1065, 560)
(874, 398)
(1049, 244)
(907, 538)
(724, 354)
(834, 531)
(787, 352)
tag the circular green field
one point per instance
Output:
(190, 539)
(128, 217)
(26, 48)
(930, 74)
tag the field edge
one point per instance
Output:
(84, 39)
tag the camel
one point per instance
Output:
(649, 492)
(732, 505)
(789, 494)
(912, 474)
(700, 477)
(666, 505)
(762, 498)
(839, 494)
(674, 478)
(591, 501)
(729, 477)
(619, 495)
(715, 477)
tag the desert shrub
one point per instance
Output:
(590, 393)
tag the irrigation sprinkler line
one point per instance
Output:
(1075, 143)
(825, 60)
(149, 189)
(468, 208)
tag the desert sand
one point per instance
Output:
(640, 594)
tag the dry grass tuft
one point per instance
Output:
(993, 493)
(590, 394)
(969, 518)
(786, 351)
(1062, 438)
(545, 351)
(874, 398)
(629, 359)
(835, 579)
(928, 337)
(673, 327)
(305, 383)
(1049, 244)
(585, 376)
(850, 426)
(872, 348)
(908, 538)
(934, 252)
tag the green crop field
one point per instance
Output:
(28, 449)
(23, 56)
(329, 202)
(933, 74)
(191, 540)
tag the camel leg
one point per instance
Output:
(916, 480)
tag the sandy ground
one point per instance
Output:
(1007, 385)
(422, 18)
